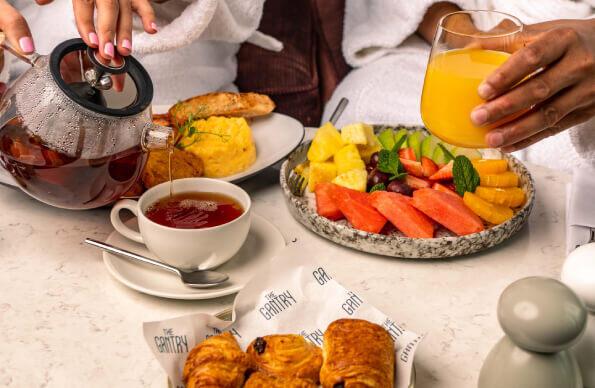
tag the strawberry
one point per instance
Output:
(429, 168)
(416, 183)
(407, 153)
(412, 167)
(325, 203)
(444, 189)
(444, 174)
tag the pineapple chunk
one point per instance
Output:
(321, 172)
(367, 151)
(347, 158)
(302, 169)
(354, 134)
(372, 145)
(354, 179)
(325, 144)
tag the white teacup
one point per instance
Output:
(187, 248)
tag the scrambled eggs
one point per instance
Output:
(224, 144)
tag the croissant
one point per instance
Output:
(357, 353)
(217, 362)
(286, 355)
(263, 380)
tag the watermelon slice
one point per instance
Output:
(396, 207)
(356, 208)
(447, 210)
(412, 167)
(325, 203)
(444, 189)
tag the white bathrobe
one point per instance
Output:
(194, 51)
(389, 63)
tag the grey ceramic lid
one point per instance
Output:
(541, 314)
(508, 366)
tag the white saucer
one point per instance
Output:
(263, 242)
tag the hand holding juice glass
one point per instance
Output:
(463, 55)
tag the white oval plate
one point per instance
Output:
(275, 136)
(264, 241)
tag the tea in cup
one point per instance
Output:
(201, 226)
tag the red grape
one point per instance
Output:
(375, 177)
(374, 160)
(397, 186)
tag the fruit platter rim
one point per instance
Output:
(400, 246)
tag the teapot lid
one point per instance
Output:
(89, 82)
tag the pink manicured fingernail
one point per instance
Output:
(108, 49)
(93, 38)
(479, 116)
(485, 91)
(494, 139)
(127, 44)
(154, 26)
(27, 45)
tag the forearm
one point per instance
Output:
(427, 27)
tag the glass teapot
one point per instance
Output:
(70, 134)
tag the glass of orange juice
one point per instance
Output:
(467, 47)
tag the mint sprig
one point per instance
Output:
(465, 176)
(389, 163)
(378, 187)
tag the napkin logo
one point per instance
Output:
(406, 352)
(352, 303)
(314, 337)
(393, 329)
(216, 331)
(276, 304)
(321, 276)
(171, 343)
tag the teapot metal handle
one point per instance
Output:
(29, 59)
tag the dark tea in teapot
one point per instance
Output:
(65, 181)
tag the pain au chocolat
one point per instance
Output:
(264, 380)
(357, 353)
(287, 355)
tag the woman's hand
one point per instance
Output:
(562, 91)
(114, 22)
(17, 32)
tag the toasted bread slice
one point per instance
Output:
(221, 104)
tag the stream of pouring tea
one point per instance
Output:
(170, 150)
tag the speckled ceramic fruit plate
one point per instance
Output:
(444, 245)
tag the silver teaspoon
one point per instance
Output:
(194, 279)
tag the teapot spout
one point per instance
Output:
(156, 137)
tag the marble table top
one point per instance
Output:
(64, 322)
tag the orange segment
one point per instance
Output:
(490, 166)
(504, 179)
(491, 213)
(507, 196)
